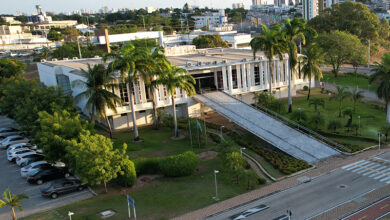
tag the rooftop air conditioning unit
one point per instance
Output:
(215, 62)
(208, 63)
(199, 63)
(54, 59)
(243, 60)
(96, 56)
(75, 58)
(66, 59)
(43, 60)
(224, 61)
(188, 64)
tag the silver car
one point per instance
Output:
(21, 145)
(9, 131)
(25, 171)
(11, 156)
(14, 139)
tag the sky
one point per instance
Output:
(28, 6)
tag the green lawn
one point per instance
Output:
(349, 80)
(372, 116)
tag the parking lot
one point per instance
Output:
(10, 177)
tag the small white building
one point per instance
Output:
(233, 71)
(210, 19)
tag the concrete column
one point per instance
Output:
(215, 79)
(224, 78)
(238, 70)
(143, 91)
(243, 77)
(230, 79)
(136, 93)
(249, 75)
(266, 74)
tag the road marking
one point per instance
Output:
(378, 158)
(384, 206)
(384, 179)
(352, 164)
(355, 165)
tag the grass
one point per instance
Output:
(163, 198)
(349, 79)
(372, 117)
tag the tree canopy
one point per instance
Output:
(209, 41)
(69, 50)
(11, 67)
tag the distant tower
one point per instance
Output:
(39, 9)
(256, 2)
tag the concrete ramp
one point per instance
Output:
(274, 131)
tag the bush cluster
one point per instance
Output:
(172, 166)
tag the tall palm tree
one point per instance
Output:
(97, 86)
(356, 96)
(293, 29)
(340, 95)
(160, 63)
(382, 74)
(176, 78)
(131, 62)
(12, 201)
(271, 42)
(311, 59)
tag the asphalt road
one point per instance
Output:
(348, 69)
(10, 177)
(310, 199)
(374, 211)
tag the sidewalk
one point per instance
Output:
(323, 167)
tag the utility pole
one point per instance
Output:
(78, 47)
(368, 56)
(143, 21)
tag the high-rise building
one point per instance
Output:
(310, 8)
(237, 5)
(256, 2)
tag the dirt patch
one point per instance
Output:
(207, 155)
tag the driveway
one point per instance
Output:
(10, 177)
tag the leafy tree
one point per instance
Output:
(54, 35)
(95, 160)
(176, 78)
(339, 47)
(45, 53)
(381, 73)
(12, 201)
(70, 34)
(271, 42)
(348, 112)
(123, 28)
(205, 28)
(293, 30)
(357, 96)
(56, 131)
(340, 95)
(234, 162)
(385, 130)
(249, 179)
(334, 125)
(209, 41)
(97, 92)
(131, 62)
(168, 30)
(263, 98)
(317, 102)
(70, 49)
(278, 106)
(317, 121)
(299, 115)
(11, 67)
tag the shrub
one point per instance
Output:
(179, 165)
(215, 138)
(128, 177)
(147, 165)
(334, 125)
(305, 88)
(249, 180)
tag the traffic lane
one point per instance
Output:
(372, 212)
(309, 199)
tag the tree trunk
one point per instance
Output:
(105, 186)
(271, 68)
(130, 90)
(154, 108)
(388, 113)
(109, 126)
(13, 214)
(340, 109)
(174, 116)
(289, 90)
(308, 94)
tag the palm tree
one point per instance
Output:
(160, 63)
(99, 80)
(176, 78)
(131, 62)
(311, 68)
(271, 42)
(382, 74)
(293, 29)
(356, 96)
(317, 102)
(340, 95)
(12, 201)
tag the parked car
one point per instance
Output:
(48, 174)
(61, 186)
(21, 145)
(12, 155)
(22, 157)
(59, 165)
(38, 165)
(37, 156)
(9, 131)
(14, 139)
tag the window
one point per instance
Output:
(219, 80)
(257, 75)
(64, 83)
(123, 93)
(234, 79)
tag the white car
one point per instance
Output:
(11, 156)
(9, 131)
(20, 159)
(25, 171)
(14, 139)
(21, 145)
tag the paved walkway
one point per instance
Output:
(275, 132)
(322, 168)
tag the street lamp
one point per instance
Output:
(358, 124)
(221, 131)
(241, 149)
(379, 137)
(70, 215)
(216, 186)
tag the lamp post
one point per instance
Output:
(379, 143)
(299, 119)
(221, 131)
(216, 185)
(358, 124)
(70, 215)
(241, 149)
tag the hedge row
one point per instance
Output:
(172, 166)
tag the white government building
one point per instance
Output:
(233, 71)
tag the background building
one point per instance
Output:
(237, 5)
(210, 19)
